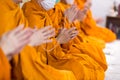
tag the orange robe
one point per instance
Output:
(4, 67)
(90, 27)
(33, 68)
(28, 64)
(83, 66)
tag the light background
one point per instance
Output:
(100, 8)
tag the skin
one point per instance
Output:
(66, 35)
(42, 36)
(13, 41)
(39, 2)
(18, 1)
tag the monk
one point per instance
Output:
(89, 44)
(84, 45)
(27, 65)
(8, 48)
(71, 14)
(70, 58)
(89, 25)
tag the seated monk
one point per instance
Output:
(73, 16)
(89, 25)
(87, 43)
(10, 43)
(84, 45)
(26, 65)
(73, 59)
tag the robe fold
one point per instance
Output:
(10, 16)
(4, 67)
(34, 69)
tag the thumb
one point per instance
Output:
(35, 29)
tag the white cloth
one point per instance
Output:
(48, 4)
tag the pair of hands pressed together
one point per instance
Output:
(74, 13)
(65, 35)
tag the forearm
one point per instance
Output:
(5, 50)
(5, 53)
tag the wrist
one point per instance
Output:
(31, 44)
(57, 39)
(6, 52)
(88, 5)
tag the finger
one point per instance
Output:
(45, 29)
(18, 29)
(73, 5)
(75, 9)
(49, 32)
(72, 8)
(25, 37)
(74, 32)
(74, 35)
(75, 12)
(35, 29)
(63, 30)
(85, 9)
(24, 32)
(66, 36)
(60, 30)
(65, 12)
(81, 16)
(47, 41)
(24, 43)
(50, 35)
(71, 30)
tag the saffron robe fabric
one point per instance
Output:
(4, 67)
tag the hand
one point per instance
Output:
(69, 2)
(12, 42)
(88, 4)
(80, 15)
(71, 13)
(42, 36)
(66, 35)
(99, 20)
